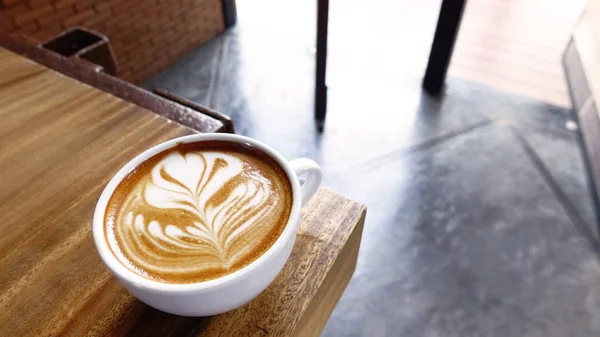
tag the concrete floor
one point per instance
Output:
(480, 220)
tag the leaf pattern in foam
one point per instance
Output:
(187, 182)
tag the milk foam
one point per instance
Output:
(198, 213)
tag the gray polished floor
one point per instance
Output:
(480, 220)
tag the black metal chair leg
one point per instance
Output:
(321, 62)
(443, 44)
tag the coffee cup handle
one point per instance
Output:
(313, 179)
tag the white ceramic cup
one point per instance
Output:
(228, 292)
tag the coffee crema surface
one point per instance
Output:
(198, 211)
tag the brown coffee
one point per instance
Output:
(198, 211)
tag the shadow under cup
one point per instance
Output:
(226, 292)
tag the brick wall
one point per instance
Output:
(146, 35)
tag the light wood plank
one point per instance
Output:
(587, 40)
(516, 46)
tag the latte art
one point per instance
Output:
(197, 212)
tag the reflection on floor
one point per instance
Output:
(480, 221)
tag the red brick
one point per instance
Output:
(82, 5)
(102, 7)
(141, 64)
(125, 6)
(99, 18)
(180, 31)
(141, 26)
(163, 62)
(175, 13)
(130, 47)
(146, 39)
(46, 33)
(37, 3)
(164, 24)
(10, 13)
(191, 4)
(57, 17)
(162, 38)
(78, 18)
(195, 12)
(27, 29)
(31, 15)
(8, 3)
(125, 75)
(6, 25)
(146, 35)
(151, 17)
(110, 23)
(64, 3)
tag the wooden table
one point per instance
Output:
(60, 142)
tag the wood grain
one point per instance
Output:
(516, 46)
(586, 37)
(60, 142)
(323, 303)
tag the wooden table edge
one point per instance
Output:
(323, 303)
(91, 74)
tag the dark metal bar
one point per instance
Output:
(321, 67)
(443, 44)
(229, 12)
(228, 126)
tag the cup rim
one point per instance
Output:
(125, 274)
